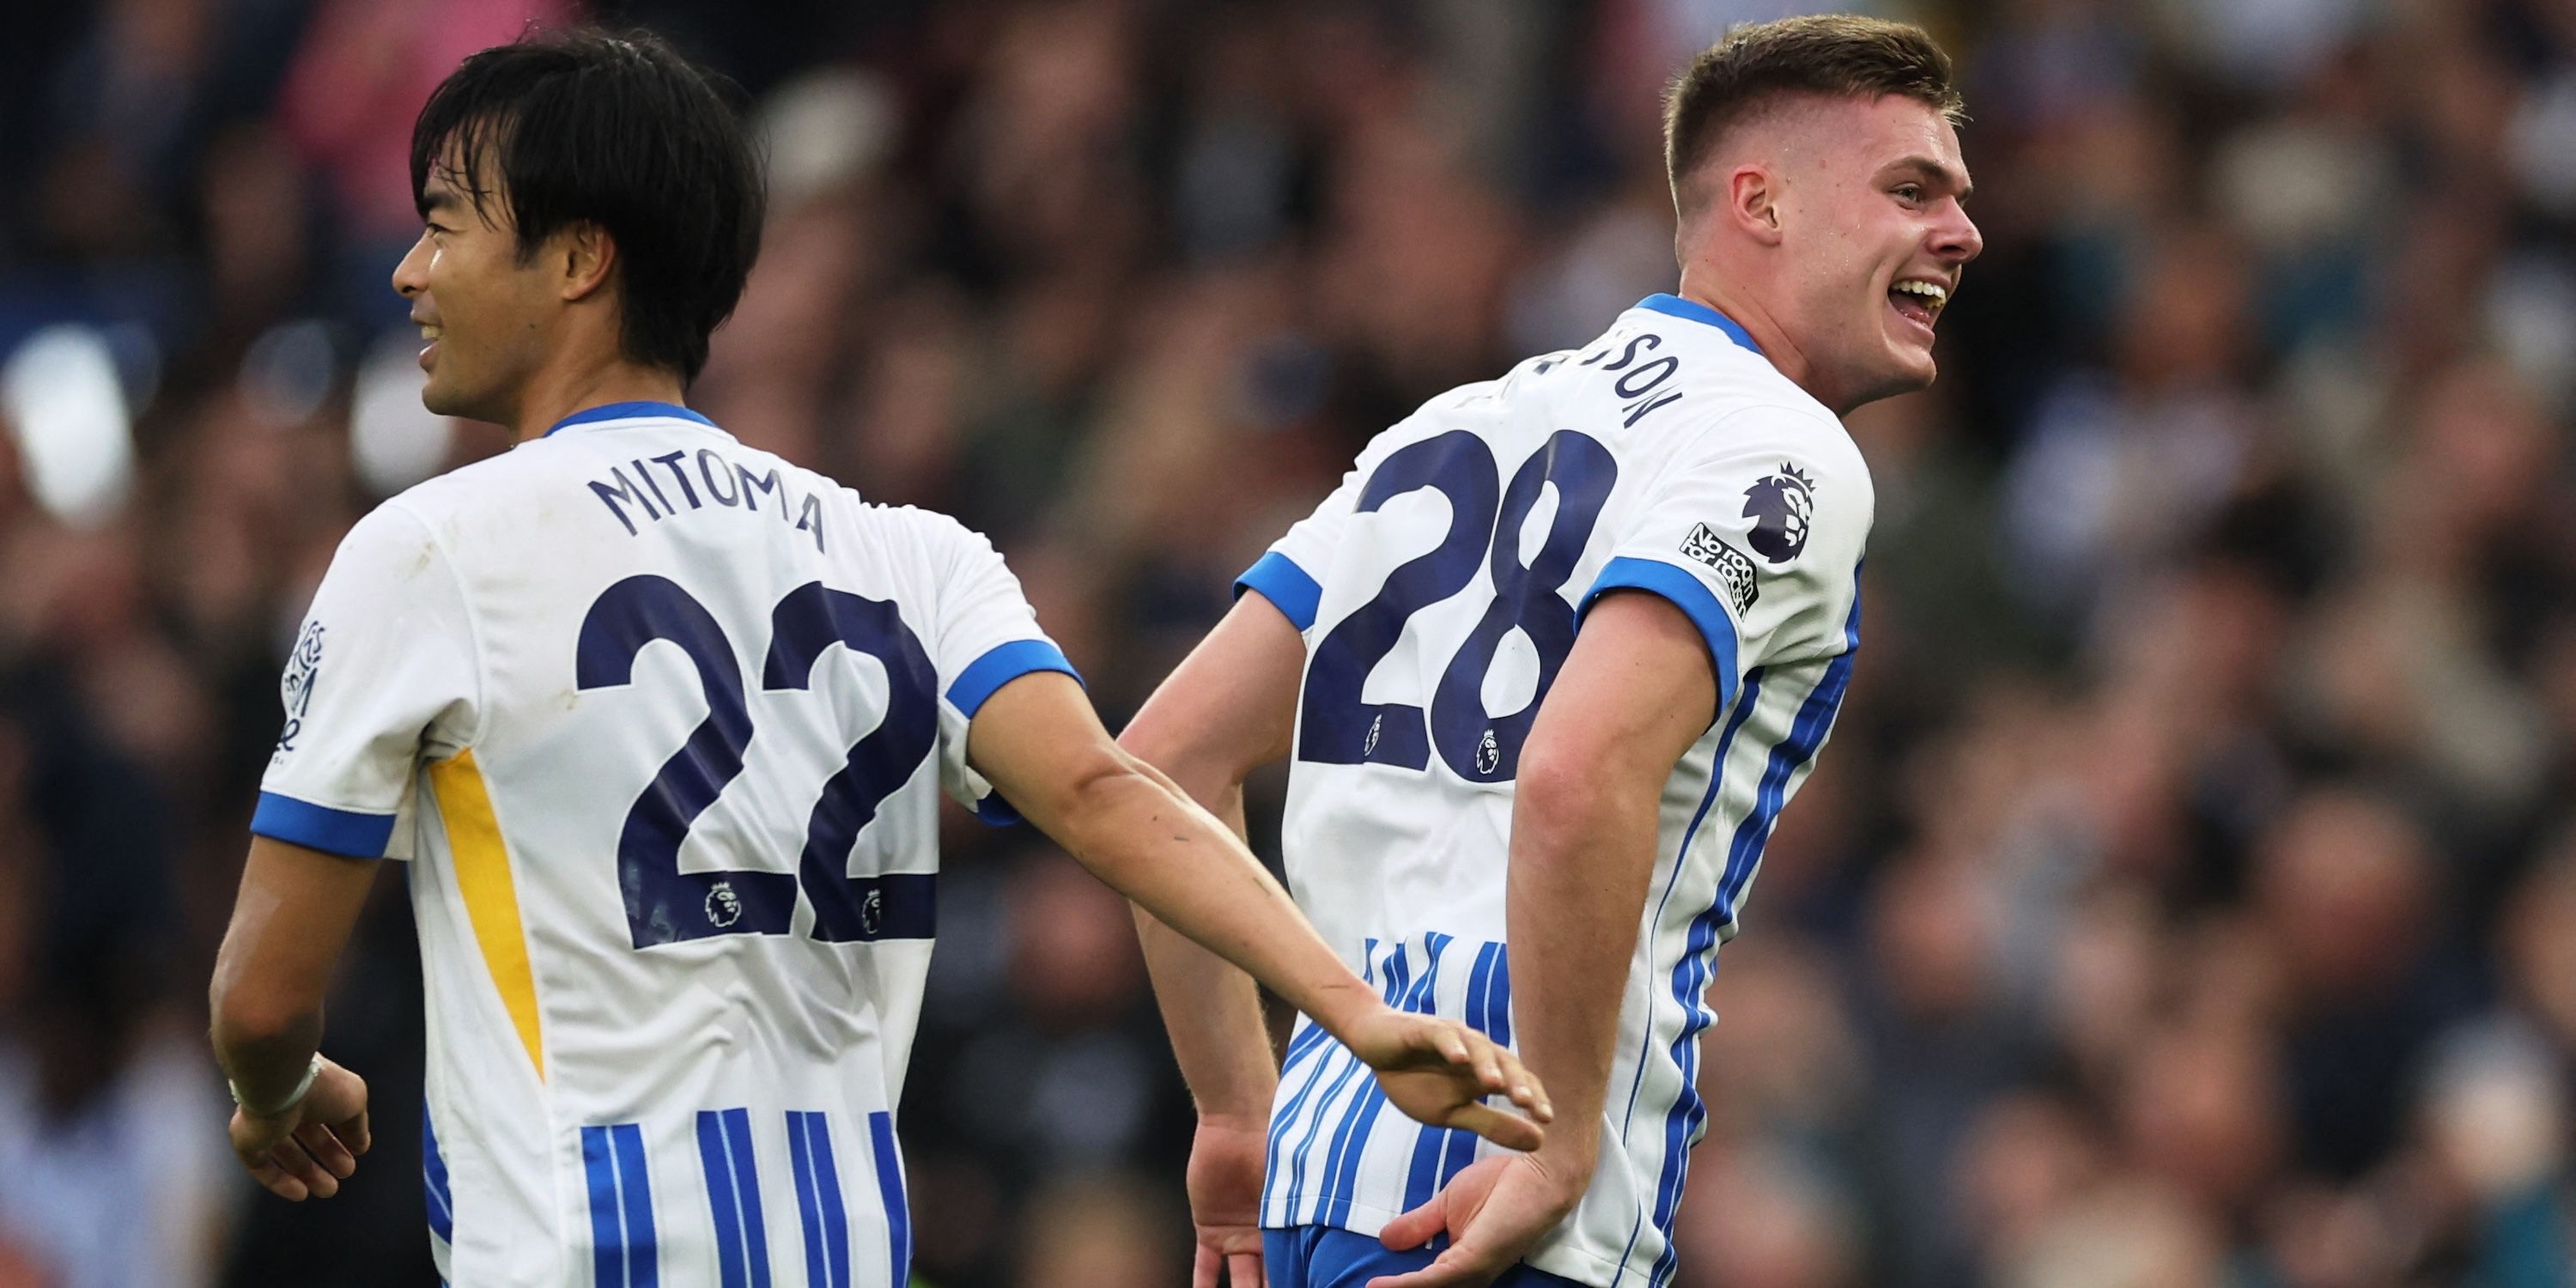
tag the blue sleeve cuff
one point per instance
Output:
(319, 827)
(1002, 664)
(1283, 583)
(993, 811)
(1689, 594)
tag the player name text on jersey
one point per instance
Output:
(721, 482)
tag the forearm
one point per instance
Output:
(1581, 856)
(1211, 1010)
(294, 914)
(1143, 836)
(1213, 1013)
(265, 1055)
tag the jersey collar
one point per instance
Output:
(1696, 312)
(628, 411)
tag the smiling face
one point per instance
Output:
(1874, 239)
(484, 310)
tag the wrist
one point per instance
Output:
(1243, 1118)
(1568, 1159)
(282, 1106)
(1342, 1008)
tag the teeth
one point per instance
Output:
(1927, 290)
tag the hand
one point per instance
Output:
(1228, 1161)
(1439, 1071)
(1493, 1212)
(313, 1146)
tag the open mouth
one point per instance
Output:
(1918, 301)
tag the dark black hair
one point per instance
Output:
(582, 125)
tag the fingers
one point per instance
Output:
(1486, 1060)
(1459, 1267)
(1501, 1073)
(1450, 1040)
(354, 1133)
(325, 1148)
(1511, 1131)
(339, 1097)
(277, 1182)
(256, 1145)
(1526, 1089)
(302, 1175)
(1203, 1268)
(1245, 1268)
(1408, 1230)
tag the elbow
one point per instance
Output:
(1564, 795)
(1153, 739)
(1096, 793)
(1172, 746)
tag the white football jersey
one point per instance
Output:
(660, 722)
(1439, 590)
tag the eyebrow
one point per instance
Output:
(435, 200)
(1940, 174)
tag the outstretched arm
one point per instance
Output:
(1039, 743)
(1634, 695)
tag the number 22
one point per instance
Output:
(665, 905)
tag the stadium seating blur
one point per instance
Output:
(2189, 896)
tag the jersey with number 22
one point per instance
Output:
(660, 722)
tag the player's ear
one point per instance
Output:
(1749, 197)
(588, 255)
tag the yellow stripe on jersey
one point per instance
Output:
(491, 897)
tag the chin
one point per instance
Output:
(1909, 374)
(443, 401)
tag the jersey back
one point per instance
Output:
(1439, 590)
(660, 722)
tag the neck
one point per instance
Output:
(1704, 285)
(555, 395)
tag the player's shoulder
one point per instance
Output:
(494, 483)
(1747, 419)
(930, 532)
(1779, 421)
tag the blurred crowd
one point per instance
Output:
(2188, 896)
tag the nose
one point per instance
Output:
(1956, 239)
(411, 276)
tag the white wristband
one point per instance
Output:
(294, 1098)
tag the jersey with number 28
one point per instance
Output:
(660, 722)
(1439, 590)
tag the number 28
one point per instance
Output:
(1485, 521)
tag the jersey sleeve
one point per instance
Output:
(1757, 540)
(1291, 574)
(383, 674)
(986, 636)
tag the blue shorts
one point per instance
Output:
(1320, 1256)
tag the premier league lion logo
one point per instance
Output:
(724, 907)
(1781, 505)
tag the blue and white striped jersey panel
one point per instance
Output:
(1439, 589)
(728, 1198)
